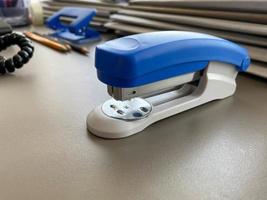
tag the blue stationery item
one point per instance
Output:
(145, 58)
(153, 76)
(77, 31)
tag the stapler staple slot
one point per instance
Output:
(152, 88)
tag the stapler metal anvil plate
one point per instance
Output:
(153, 76)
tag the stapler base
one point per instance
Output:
(217, 82)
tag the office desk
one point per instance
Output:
(215, 151)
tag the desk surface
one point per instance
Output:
(215, 151)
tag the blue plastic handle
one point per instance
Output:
(145, 58)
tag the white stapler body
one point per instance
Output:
(153, 76)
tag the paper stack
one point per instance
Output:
(241, 21)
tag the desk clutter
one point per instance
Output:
(68, 36)
(243, 22)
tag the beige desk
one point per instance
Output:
(216, 151)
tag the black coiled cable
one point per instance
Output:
(21, 58)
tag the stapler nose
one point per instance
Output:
(160, 74)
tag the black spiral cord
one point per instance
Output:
(21, 58)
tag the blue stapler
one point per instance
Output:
(153, 76)
(78, 31)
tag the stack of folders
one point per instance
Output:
(241, 21)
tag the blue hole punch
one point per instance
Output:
(78, 31)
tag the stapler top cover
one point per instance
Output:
(149, 57)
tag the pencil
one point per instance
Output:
(47, 42)
(74, 47)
